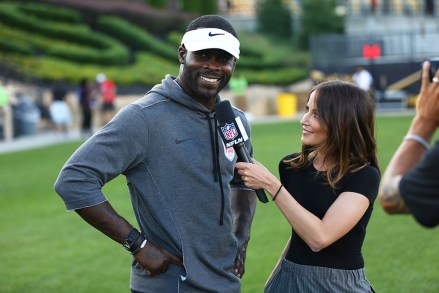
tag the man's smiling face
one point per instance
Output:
(203, 74)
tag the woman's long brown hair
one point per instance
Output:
(347, 113)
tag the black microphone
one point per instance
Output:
(233, 133)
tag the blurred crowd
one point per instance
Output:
(27, 110)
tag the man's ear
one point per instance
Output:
(234, 64)
(181, 54)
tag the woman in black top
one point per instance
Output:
(326, 192)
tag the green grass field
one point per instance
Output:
(45, 249)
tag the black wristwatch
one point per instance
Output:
(131, 238)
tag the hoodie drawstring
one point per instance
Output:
(212, 144)
(216, 163)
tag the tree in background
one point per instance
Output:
(200, 6)
(319, 17)
(156, 3)
(172, 5)
(274, 19)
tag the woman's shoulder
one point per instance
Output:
(284, 161)
(289, 157)
(364, 181)
(369, 170)
(368, 173)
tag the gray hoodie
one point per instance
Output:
(178, 173)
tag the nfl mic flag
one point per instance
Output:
(233, 133)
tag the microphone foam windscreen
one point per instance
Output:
(224, 112)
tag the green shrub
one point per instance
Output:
(312, 22)
(53, 13)
(114, 55)
(32, 41)
(148, 69)
(249, 62)
(13, 46)
(11, 15)
(250, 51)
(106, 50)
(200, 6)
(174, 38)
(42, 45)
(156, 3)
(135, 37)
(275, 77)
(274, 18)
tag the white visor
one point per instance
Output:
(211, 38)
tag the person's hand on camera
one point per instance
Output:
(427, 106)
(155, 260)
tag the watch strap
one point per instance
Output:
(131, 239)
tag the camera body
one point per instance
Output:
(434, 66)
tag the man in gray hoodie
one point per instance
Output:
(193, 214)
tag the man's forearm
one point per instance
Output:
(243, 208)
(104, 218)
(408, 154)
(389, 196)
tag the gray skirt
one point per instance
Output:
(293, 277)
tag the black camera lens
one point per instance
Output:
(434, 65)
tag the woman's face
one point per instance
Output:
(313, 132)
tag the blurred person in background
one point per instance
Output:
(410, 183)
(363, 79)
(43, 105)
(6, 120)
(373, 6)
(107, 97)
(193, 212)
(87, 100)
(326, 192)
(59, 110)
(238, 85)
